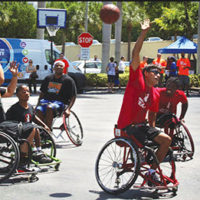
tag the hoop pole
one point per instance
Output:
(51, 54)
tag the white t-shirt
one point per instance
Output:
(122, 65)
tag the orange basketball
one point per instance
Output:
(109, 13)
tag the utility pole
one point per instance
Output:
(118, 32)
(40, 31)
(106, 36)
(198, 43)
(86, 16)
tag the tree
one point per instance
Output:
(18, 20)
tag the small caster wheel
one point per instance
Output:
(57, 167)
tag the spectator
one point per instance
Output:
(143, 63)
(162, 64)
(111, 68)
(122, 66)
(96, 58)
(58, 91)
(65, 70)
(32, 75)
(183, 65)
(117, 81)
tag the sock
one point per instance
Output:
(39, 148)
(151, 171)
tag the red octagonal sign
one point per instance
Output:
(85, 40)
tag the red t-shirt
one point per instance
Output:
(138, 99)
(66, 65)
(181, 64)
(170, 103)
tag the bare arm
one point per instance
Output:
(138, 45)
(1, 75)
(152, 119)
(183, 110)
(12, 86)
(70, 105)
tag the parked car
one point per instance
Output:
(87, 66)
(152, 39)
(95, 42)
(70, 44)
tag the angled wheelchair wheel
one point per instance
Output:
(9, 156)
(183, 142)
(47, 142)
(73, 128)
(117, 166)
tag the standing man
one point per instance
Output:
(58, 91)
(162, 64)
(65, 70)
(140, 96)
(183, 65)
(111, 69)
(122, 66)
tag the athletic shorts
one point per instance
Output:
(57, 106)
(165, 120)
(17, 130)
(142, 132)
(111, 78)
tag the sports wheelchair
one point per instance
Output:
(70, 125)
(124, 162)
(10, 154)
(182, 141)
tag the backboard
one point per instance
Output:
(51, 17)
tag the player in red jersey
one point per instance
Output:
(140, 96)
(170, 97)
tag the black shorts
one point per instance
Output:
(165, 120)
(12, 128)
(142, 132)
(111, 78)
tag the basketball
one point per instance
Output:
(109, 13)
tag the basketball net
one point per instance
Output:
(52, 29)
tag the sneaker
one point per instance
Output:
(24, 169)
(154, 178)
(40, 157)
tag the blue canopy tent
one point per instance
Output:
(181, 45)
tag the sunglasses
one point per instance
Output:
(155, 71)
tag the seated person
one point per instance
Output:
(169, 99)
(23, 112)
(57, 91)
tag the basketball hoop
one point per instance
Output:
(52, 29)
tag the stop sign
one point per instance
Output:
(85, 40)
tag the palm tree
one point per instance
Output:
(106, 42)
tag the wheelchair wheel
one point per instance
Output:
(73, 128)
(47, 142)
(183, 142)
(9, 156)
(117, 166)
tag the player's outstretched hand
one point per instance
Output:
(14, 68)
(145, 25)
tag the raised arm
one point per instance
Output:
(12, 86)
(138, 45)
(1, 75)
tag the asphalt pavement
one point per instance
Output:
(75, 180)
